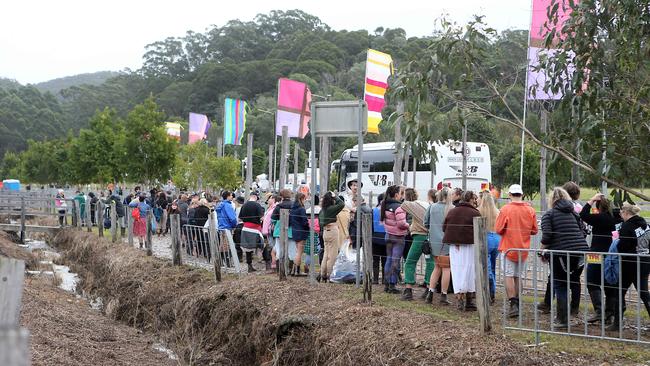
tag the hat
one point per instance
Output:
(267, 195)
(515, 189)
(353, 181)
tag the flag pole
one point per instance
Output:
(523, 121)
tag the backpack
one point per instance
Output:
(610, 266)
(643, 240)
(135, 213)
(107, 218)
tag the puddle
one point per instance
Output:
(68, 279)
(161, 348)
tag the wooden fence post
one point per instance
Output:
(481, 267)
(367, 257)
(147, 243)
(89, 221)
(284, 243)
(22, 220)
(176, 252)
(14, 341)
(76, 216)
(114, 223)
(129, 224)
(100, 218)
(214, 246)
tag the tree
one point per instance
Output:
(150, 153)
(530, 184)
(11, 166)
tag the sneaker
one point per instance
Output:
(407, 295)
(393, 290)
(424, 294)
(428, 297)
(444, 301)
(251, 268)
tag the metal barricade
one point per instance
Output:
(581, 320)
(197, 244)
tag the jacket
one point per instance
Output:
(252, 212)
(298, 222)
(328, 215)
(226, 215)
(201, 215)
(183, 207)
(516, 223)
(119, 206)
(602, 225)
(266, 222)
(561, 229)
(459, 224)
(417, 211)
(433, 220)
(395, 218)
(628, 234)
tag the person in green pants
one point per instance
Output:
(416, 210)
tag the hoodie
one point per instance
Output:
(561, 229)
(226, 215)
(628, 233)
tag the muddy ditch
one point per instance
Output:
(256, 320)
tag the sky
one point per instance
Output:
(45, 39)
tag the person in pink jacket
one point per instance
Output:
(394, 220)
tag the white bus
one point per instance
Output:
(378, 161)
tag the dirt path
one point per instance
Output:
(66, 331)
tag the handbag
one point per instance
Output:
(426, 247)
(442, 261)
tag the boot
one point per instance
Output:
(290, 268)
(615, 326)
(595, 295)
(306, 269)
(562, 320)
(268, 266)
(251, 268)
(386, 287)
(470, 305)
(444, 301)
(297, 269)
(122, 232)
(428, 297)
(543, 308)
(425, 293)
(461, 303)
(514, 308)
(392, 289)
(407, 295)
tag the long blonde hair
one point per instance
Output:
(443, 196)
(488, 209)
(558, 193)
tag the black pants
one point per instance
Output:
(249, 258)
(567, 268)
(629, 276)
(378, 256)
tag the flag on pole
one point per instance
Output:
(234, 121)
(174, 130)
(294, 99)
(379, 66)
(538, 32)
(199, 126)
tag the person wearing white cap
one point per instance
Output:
(516, 223)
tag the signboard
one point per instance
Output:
(594, 258)
(339, 119)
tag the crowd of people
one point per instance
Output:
(405, 228)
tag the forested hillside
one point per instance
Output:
(54, 86)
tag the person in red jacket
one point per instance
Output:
(459, 235)
(394, 219)
(516, 223)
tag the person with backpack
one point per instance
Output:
(139, 218)
(433, 220)
(597, 213)
(634, 238)
(562, 231)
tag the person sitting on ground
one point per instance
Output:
(515, 223)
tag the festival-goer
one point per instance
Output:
(285, 204)
(316, 226)
(364, 209)
(416, 210)
(139, 218)
(456, 193)
(602, 224)
(201, 215)
(226, 212)
(299, 224)
(459, 234)
(433, 220)
(161, 203)
(331, 206)
(251, 214)
(81, 203)
(515, 223)
(394, 219)
(61, 207)
(488, 209)
(634, 271)
(268, 254)
(561, 231)
(93, 207)
(378, 241)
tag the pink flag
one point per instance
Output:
(199, 126)
(294, 99)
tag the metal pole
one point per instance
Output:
(323, 162)
(359, 196)
(312, 246)
(542, 162)
(249, 164)
(603, 184)
(270, 177)
(464, 151)
(296, 152)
